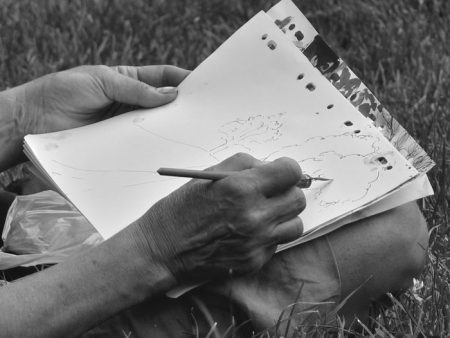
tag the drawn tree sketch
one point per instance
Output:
(245, 132)
(235, 136)
(332, 151)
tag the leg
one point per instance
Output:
(389, 247)
(380, 254)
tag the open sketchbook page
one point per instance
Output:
(303, 35)
(255, 94)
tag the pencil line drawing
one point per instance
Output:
(102, 170)
(267, 130)
(140, 126)
(254, 129)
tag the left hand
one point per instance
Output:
(88, 94)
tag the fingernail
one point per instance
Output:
(167, 90)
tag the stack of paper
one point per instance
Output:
(273, 89)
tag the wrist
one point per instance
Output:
(145, 269)
(12, 130)
(12, 110)
(8, 115)
(154, 238)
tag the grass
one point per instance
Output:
(399, 48)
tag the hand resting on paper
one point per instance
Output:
(207, 229)
(81, 96)
(88, 94)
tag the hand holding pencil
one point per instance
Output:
(207, 230)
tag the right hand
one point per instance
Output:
(207, 229)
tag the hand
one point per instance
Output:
(207, 229)
(87, 94)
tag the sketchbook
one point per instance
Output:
(273, 89)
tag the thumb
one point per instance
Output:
(123, 89)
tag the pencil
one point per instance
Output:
(305, 182)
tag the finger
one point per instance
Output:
(124, 89)
(237, 162)
(288, 231)
(285, 206)
(156, 76)
(277, 176)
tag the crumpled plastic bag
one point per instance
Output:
(44, 228)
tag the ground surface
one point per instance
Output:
(399, 48)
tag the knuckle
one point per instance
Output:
(243, 158)
(291, 166)
(164, 69)
(237, 162)
(124, 70)
(295, 200)
(160, 72)
(141, 92)
(253, 218)
(231, 187)
(300, 200)
(299, 224)
(249, 186)
(256, 260)
(142, 88)
(241, 155)
(102, 69)
(238, 188)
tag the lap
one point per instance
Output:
(379, 254)
(315, 276)
(306, 275)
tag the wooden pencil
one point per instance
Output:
(305, 182)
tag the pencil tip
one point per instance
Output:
(322, 179)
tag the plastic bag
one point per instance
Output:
(44, 228)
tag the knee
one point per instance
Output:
(409, 240)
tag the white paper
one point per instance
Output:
(245, 97)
